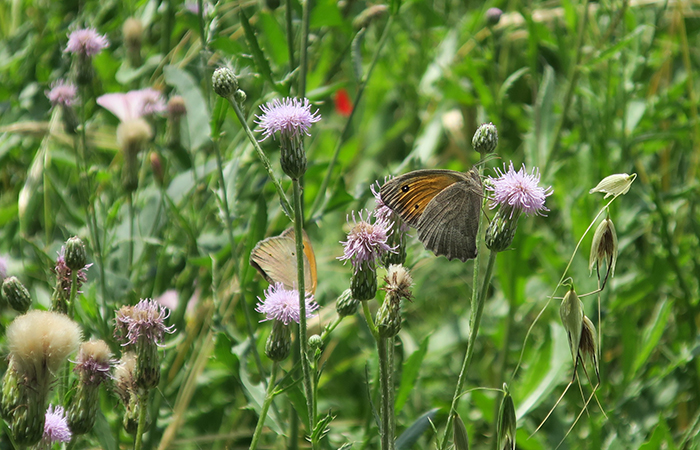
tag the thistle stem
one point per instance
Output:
(269, 395)
(387, 439)
(286, 207)
(303, 340)
(474, 322)
(143, 411)
(303, 53)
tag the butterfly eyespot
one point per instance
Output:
(416, 207)
(405, 188)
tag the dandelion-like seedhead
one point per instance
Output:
(145, 320)
(283, 305)
(86, 42)
(55, 427)
(398, 281)
(290, 117)
(366, 242)
(62, 93)
(519, 190)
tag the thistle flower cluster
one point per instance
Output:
(72, 257)
(92, 366)
(282, 307)
(85, 43)
(397, 229)
(366, 244)
(56, 428)
(514, 193)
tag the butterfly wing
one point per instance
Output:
(450, 222)
(408, 195)
(275, 259)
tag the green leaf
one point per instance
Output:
(652, 334)
(409, 374)
(197, 117)
(261, 62)
(325, 14)
(416, 430)
(275, 38)
(321, 429)
(103, 432)
(660, 438)
(461, 439)
(613, 50)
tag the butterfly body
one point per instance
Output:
(275, 259)
(443, 205)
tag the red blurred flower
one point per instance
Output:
(343, 105)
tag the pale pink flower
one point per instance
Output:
(133, 104)
(86, 41)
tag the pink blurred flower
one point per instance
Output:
(86, 41)
(133, 104)
(62, 93)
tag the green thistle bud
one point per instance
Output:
(397, 240)
(22, 407)
(346, 305)
(292, 157)
(279, 343)
(133, 36)
(14, 292)
(147, 371)
(315, 341)
(84, 73)
(389, 316)
(501, 230)
(70, 120)
(507, 422)
(363, 283)
(485, 138)
(493, 16)
(224, 82)
(92, 366)
(83, 405)
(240, 97)
(76, 255)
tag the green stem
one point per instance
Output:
(286, 207)
(303, 340)
(143, 411)
(370, 321)
(269, 395)
(130, 254)
(290, 33)
(474, 322)
(303, 53)
(320, 198)
(73, 292)
(387, 439)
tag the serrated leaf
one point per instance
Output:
(321, 428)
(259, 59)
(416, 430)
(409, 374)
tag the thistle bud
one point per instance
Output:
(389, 317)
(493, 16)
(315, 341)
(224, 82)
(279, 343)
(346, 305)
(157, 168)
(501, 230)
(133, 35)
(76, 255)
(92, 366)
(132, 136)
(507, 422)
(604, 247)
(240, 97)
(485, 138)
(14, 293)
(363, 282)
(396, 240)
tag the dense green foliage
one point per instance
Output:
(580, 95)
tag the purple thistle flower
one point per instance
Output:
(86, 42)
(64, 273)
(291, 117)
(366, 242)
(519, 190)
(94, 362)
(144, 320)
(283, 304)
(62, 93)
(55, 427)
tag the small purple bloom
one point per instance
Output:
(366, 242)
(56, 426)
(519, 190)
(291, 117)
(146, 319)
(64, 274)
(133, 104)
(86, 42)
(62, 93)
(283, 305)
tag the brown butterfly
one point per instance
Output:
(275, 259)
(443, 205)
